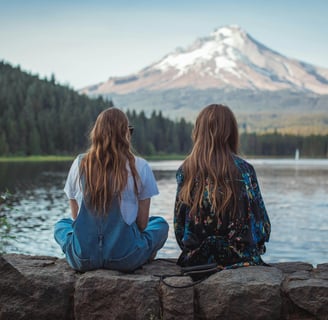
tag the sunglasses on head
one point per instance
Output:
(131, 128)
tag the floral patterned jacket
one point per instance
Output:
(206, 238)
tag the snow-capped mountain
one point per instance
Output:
(229, 58)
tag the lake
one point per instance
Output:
(295, 193)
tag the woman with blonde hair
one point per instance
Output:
(109, 191)
(219, 214)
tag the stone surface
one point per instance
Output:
(177, 303)
(46, 288)
(245, 293)
(308, 291)
(107, 295)
(35, 288)
(291, 267)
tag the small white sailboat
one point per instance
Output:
(297, 154)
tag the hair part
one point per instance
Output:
(215, 140)
(104, 167)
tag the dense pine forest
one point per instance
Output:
(281, 145)
(41, 117)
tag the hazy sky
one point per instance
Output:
(86, 42)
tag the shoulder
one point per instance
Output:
(179, 174)
(75, 167)
(142, 166)
(77, 160)
(81, 155)
(242, 164)
(76, 163)
(141, 163)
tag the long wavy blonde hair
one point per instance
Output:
(215, 140)
(104, 167)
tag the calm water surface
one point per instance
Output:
(295, 194)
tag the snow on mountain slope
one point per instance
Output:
(228, 58)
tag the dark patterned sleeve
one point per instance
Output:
(179, 211)
(262, 226)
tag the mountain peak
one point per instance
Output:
(228, 58)
(232, 35)
(227, 31)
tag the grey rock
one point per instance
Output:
(34, 287)
(178, 303)
(245, 293)
(323, 266)
(109, 295)
(308, 293)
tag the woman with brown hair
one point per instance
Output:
(109, 191)
(219, 214)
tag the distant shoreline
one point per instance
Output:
(52, 158)
(160, 157)
(57, 158)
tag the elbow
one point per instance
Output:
(142, 226)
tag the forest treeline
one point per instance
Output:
(282, 145)
(41, 117)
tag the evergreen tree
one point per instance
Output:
(4, 148)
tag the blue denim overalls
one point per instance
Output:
(94, 242)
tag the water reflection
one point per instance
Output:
(28, 175)
(295, 195)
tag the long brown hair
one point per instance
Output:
(215, 140)
(104, 167)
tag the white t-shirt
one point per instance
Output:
(147, 188)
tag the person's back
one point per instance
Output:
(219, 212)
(109, 191)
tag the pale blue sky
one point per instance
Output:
(86, 42)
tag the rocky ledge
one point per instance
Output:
(37, 287)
